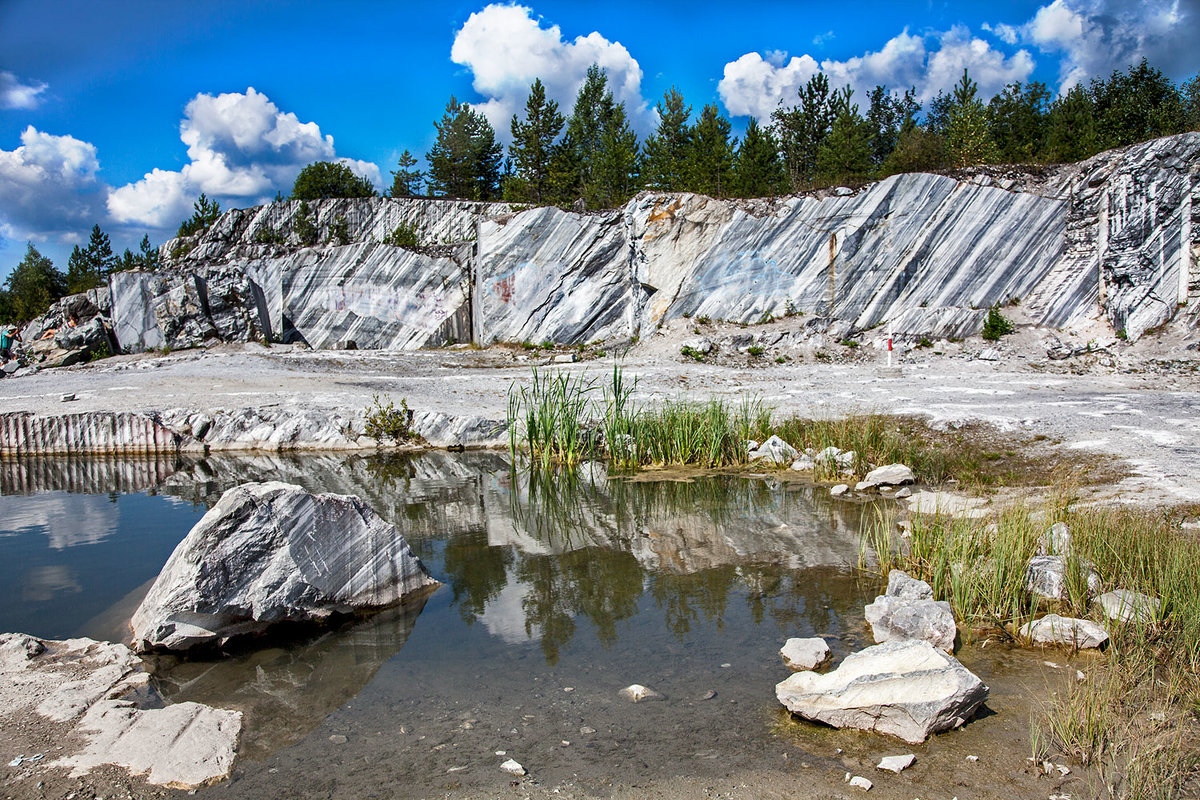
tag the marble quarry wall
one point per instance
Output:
(1113, 239)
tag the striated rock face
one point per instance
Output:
(1111, 239)
(271, 552)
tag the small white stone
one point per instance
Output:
(861, 783)
(839, 490)
(636, 693)
(804, 654)
(896, 764)
(972, 758)
(512, 767)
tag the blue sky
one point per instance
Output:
(121, 113)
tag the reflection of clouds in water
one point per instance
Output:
(68, 520)
(504, 615)
(45, 583)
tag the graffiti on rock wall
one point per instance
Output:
(422, 310)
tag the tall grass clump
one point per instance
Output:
(550, 418)
(1132, 717)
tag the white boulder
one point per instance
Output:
(1046, 576)
(775, 451)
(888, 475)
(805, 654)
(1052, 629)
(1126, 606)
(906, 689)
(636, 693)
(272, 552)
(839, 490)
(804, 464)
(908, 611)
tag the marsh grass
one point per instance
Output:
(1132, 719)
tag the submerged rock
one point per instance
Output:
(268, 553)
(636, 693)
(905, 689)
(1066, 631)
(908, 611)
(805, 654)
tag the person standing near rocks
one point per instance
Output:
(9, 335)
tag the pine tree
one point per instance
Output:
(1071, 128)
(89, 267)
(845, 155)
(801, 130)
(1190, 93)
(1134, 106)
(33, 285)
(757, 170)
(406, 181)
(534, 148)
(711, 155)
(886, 117)
(1017, 118)
(148, 256)
(465, 160)
(204, 213)
(918, 149)
(604, 153)
(665, 152)
(968, 137)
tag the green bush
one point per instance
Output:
(692, 353)
(268, 236)
(324, 179)
(405, 236)
(339, 231)
(303, 226)
(996, 325)
(387, 421)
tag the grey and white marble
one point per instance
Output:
(269, 553)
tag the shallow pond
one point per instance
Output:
(558, 592)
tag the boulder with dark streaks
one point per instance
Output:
(269, 553)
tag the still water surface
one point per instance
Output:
(558, 591)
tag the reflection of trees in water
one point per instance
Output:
(478, 572)
(596, 583)
(683, 597)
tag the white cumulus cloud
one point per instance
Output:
(506, 48)
(241, 147)
(1095, 37)
(48, 186)
(753, 85)
(15, 94)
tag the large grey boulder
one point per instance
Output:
(1052, 629)
(905, 689)
(268, 553)
(1046, 576)
(908, 611)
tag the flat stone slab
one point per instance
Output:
(896, 764)
(1052, 629)
(1123, 605)
(805, 654)
(905, 689)
(887, 475)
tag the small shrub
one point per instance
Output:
(387, 421)
(266, 235)
(703, 320)
(924, 342)
(528, 345)
(821, 355)
(756, 350)
(780, 359)
(690, 352)
(303, 226)
(996, 325)
(181, 250)
(340, 231)
(849, 343)
(404, 235)
(547, 345)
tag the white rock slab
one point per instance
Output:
(269, 553)
(896, 764)
(888, 475)
(905, 689)
(183, 746)
(859, 782)
(1052, 629)
(1123, 605)
(805, 654)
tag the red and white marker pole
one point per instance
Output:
(889, 349)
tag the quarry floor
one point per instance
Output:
(1139, 403)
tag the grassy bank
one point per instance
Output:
(1132, 719)
(563, 418)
